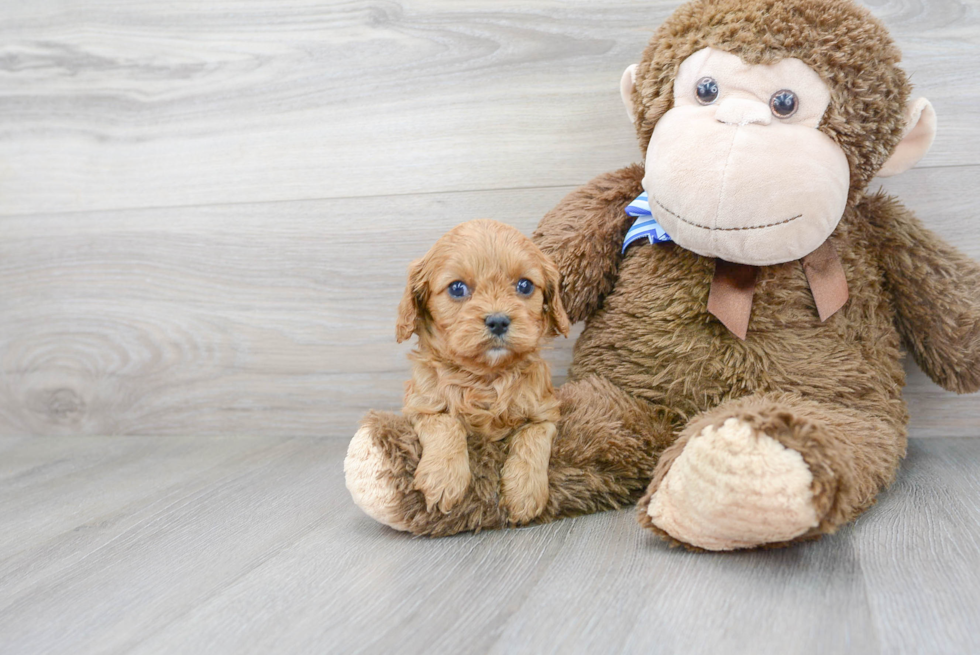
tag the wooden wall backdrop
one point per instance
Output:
(206, 209)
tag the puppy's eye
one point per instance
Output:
(525, 287)
(458, 289)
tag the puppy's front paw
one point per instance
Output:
(524, 489)
(443, 481)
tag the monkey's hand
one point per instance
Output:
(936, 292)
(584, 235)
(443, 474)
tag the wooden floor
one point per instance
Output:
(251, 545)
(206, 214)
(207, 208)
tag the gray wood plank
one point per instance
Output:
(275, 318)
(270, 318)
(146, 557)
(112, 484)
(120, 104)
(263, 550)
(924, 590)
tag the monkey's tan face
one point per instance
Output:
(737, 169)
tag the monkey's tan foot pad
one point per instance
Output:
(733, 487)
(370, 482)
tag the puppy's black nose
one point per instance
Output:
(498, 324)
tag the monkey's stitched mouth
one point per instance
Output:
(724, 229)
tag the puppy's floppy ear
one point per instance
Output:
(555, 315)
(411, 309)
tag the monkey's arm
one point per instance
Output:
(584, 236)
(936, 291)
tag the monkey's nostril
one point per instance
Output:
(497, 324)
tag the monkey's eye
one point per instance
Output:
(784, 103)
(525, 287)
(458, 290)
(707, 90)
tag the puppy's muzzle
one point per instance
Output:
(497, 324)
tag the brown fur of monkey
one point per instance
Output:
(840, 382)
(653, 368)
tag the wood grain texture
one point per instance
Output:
(118, 104)
(275, 318)
(252, 545)
(192, 239)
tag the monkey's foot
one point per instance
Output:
(371, 481)
(732, 487)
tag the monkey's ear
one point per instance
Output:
(920, 131)
(554, 311)
(412, 305)
(626, 86)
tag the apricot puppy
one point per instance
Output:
(481, 301)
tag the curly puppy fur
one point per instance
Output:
(469, 381)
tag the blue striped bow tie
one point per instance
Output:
(645, 225)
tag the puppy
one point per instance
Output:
(481, 301)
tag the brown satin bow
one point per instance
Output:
(732, 287)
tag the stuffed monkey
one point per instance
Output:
(747, 302)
